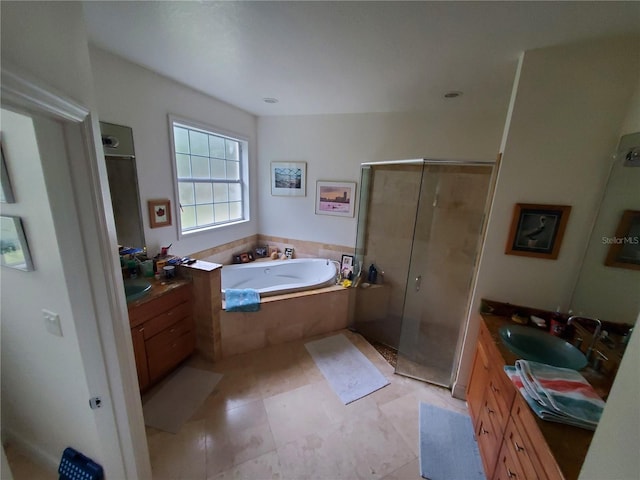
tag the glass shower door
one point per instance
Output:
(446, 242)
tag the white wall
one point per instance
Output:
(130, 95)
(334, 146)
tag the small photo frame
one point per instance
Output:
(6, 192)
(346, 266)
(335, 198)
(624, 250)
(288, 252)
(261, 251)
(537, 230)
(289, 179)
(159, 213)
(14, 250)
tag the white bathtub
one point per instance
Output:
(276, 277)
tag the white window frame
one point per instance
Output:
(244, 173)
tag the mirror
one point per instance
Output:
(117, 142)
(611, 292)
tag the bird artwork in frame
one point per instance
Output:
(537, 230)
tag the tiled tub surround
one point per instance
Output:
(302, 249)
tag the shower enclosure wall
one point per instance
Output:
(420, 224)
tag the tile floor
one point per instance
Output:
(274, 416)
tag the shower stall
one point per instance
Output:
(420, 224)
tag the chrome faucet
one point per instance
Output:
(338, 266)
(596, 333)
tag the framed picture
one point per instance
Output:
(537, 230)
(6, 192)
(261, 251)
(13, 244)
(159, 213)
(335, 198)
(289, 179)
(288, 252)
(346, 266)
(624, 251)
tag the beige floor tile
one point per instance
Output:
(178, 456)
(410, 471)
(264, 467)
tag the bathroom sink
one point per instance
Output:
(539, 346)
(135, 290)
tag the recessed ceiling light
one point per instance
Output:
(452, 94)
(270, 100)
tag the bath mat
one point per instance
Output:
(348, 371)
(179, 398)
(448, 448)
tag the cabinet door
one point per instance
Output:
(489, 440)
(140, 354)
(478, 383)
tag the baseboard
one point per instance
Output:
(30, 450)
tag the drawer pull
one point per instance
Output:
(483, 431)
(490, 411)
(510, 473)
(494, 389)
(172, 330)
(518, 447)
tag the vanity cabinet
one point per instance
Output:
(510, 442)
(163, 334)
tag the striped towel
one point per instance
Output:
(557, 394)
(241, 300)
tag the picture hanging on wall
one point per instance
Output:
(335, 198)
(13, 242)
(289, 179)
(6, 192)
(159, 213)
(537, 230)
(624, 250)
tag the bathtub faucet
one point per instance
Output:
(338, 268)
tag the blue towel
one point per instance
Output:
(242, 300)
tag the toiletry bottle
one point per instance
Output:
(558, 324)
(373, 274)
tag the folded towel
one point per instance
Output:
(242, 300)
(557, 394)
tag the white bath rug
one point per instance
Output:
(348, 371)
(179, 398)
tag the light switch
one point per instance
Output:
(52, 322)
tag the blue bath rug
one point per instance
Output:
(448, 448)
(241, 300)
(350, 374)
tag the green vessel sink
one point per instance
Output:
(539, 346)
(135, 290)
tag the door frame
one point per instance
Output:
(104, 334)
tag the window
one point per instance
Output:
(209, 168)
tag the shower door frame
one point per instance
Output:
(494, 165)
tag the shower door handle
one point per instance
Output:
(418, 282)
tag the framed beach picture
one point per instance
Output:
(14, 250)
(159, 213)
(335, 198)
(289, 179)
(624, 250)
(537, 230)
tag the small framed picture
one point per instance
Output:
(262, 251)
(14, 250)
(159, 213)
(346, 266)
(624, 250)
(537, 230)
(335, 198)
(288, 252)
(289, 179)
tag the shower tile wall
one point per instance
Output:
(390, 225)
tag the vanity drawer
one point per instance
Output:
(522, 452)
(493, 410)
(163, 340)
(507, 468)
(166, 319)
(489, 439)
(157, 306)
(163, 361)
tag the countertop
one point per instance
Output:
(158, 289)
(568, 444)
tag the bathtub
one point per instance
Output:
(275, 277)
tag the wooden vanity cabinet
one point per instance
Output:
(163, 334)
(510, 442)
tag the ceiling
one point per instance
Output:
(346, 57)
